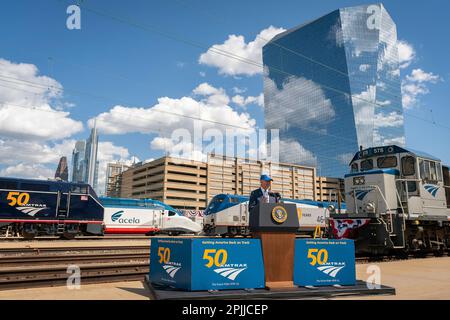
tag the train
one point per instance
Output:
(397, 202)
(227, 215)
(30, 208)
(145, 216)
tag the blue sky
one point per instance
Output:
(110, 62)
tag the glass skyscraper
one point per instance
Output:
(332, 85)
(84, 160)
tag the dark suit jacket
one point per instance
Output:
(256, 195)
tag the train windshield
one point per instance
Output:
(408, 166)
(387, 162)
(367, 165)
(215, 203)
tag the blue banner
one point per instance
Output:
(170, 262)
(207, 263)
(324, 262)
(227, 264)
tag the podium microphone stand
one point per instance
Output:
(276, 224)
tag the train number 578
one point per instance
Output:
(18, 198)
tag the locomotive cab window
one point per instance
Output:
(171, 214)
(433, 171)
(367, 165)
(79, 189)
(354, 167)
(408, 166)
(430, 171)
(387, 162)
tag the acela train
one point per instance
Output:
(227, 215)
(145, 216)
(397, 202)
(30, 208)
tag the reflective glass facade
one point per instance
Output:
(332, 85)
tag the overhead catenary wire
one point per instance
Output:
(319, 155)
(295, 52)
(233, 57)
(175, 37)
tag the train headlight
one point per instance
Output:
(331, 208)
(370, 207)
(357, 181)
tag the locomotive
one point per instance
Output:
(397, 203)
(227, 215)
(37, 207)
(30, 208)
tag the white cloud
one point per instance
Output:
(292, 151)
(209, 104)
(14, 151)
(416, 85)
(169, 115)
(236, 45)
(393, 119)
(237, 90)
(418, 75)
(39, 160)
(297, 113)
(30, 171)
(32, 159)
(25, 105)
(364, 67)
(406, 53)
(244, 101)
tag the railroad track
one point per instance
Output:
(77, 238)
(52, 266)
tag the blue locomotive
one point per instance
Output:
(227, 215)
(38, 207)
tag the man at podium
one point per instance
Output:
(263, 194)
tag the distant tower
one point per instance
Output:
(78, 163)
(84, 160)
(62, 172)
(91, 158)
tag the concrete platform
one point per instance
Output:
(413, 279)
(161, 293)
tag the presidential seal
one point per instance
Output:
(279, 214)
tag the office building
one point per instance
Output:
(186, 184)
(84, 160)
(114, 178)
(332, 85)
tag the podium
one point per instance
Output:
(275, 224)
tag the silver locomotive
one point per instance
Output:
(397, 201)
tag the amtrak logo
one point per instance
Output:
(171, 270)
(331, 270)
(432, 189)
(116, 216)
(361, 194)
(229, 273)
(31, 211)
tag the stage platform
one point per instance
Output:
(360, 289)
